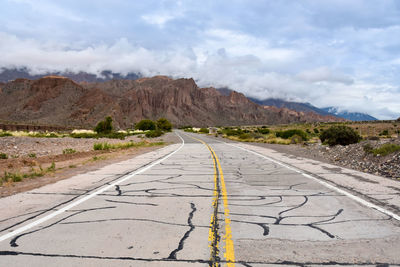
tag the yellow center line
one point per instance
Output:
(229, 247)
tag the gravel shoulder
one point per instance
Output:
(50, 150)
(351, 156)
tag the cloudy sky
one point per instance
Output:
(343, 53)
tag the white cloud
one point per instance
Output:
(157, 19)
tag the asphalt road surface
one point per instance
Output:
(205, 203)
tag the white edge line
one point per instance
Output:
(356, 198)
(95, 193)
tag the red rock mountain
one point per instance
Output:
(57, 100)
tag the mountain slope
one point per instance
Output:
(353, 116)
(298, 106)
(61, 101)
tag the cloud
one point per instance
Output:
(330, 53)
(324, 74)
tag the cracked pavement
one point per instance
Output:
(207, 204)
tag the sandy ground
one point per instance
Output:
(49, 150)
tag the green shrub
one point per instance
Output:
(204, 130)
(32, 155)
(386, 149)
(296, 139)
(154, 133)
(384, 132)
(83, 135)
(316, 131)
(289, 133)
(368, 148)
(232, 132)
(164, 125)
(104, 126)
(263, 130)
(52, 167)
(101, 146)
(244, 136)
(189, 130)
(69, 151)
(43, 135)
(339, 135)
(3, 156)
(145, 125)
(3, 134)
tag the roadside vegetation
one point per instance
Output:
(331, 134)
(103, 129)
(12, 177)
(107, 146)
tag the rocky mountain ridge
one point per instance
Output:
(56, 100)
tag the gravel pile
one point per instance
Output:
(354, 157)
(351, 156)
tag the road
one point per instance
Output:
(204, 202)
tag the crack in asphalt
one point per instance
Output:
(172, 255)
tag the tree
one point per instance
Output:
(104, 126)
(145, 125)
(164, 125)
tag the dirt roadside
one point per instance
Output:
(66, 165)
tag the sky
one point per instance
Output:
(342, 53)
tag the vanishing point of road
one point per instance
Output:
(205, 202)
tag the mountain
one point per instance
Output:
(7, 75)
(307, 107)
(55, 100)
(298, 106)
(353, 116)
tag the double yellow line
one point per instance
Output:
(213, 236)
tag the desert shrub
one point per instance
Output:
(289, 133)
(386, 149)
(164, 125)
(43, 135)
(339, 135)
(244, 136)
(52, 167)
(113, 135)
(145, 125)
(104, 126)
(375, 138)
(3, 156)
(83, 135)
(32, 155)
(296, 139)
(204, 130)
(316, 131)
(8, 176)
(384, 132)
(368, 148)
(69, 151)
(189, 130)
(232, 132)
(154, 133)
(101, 146)
(256, 135)
(308, 131)
(3, 134)
(263, 130)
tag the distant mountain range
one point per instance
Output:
(7, 75)
(55, 100)
(307, 107)
(353, 116)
